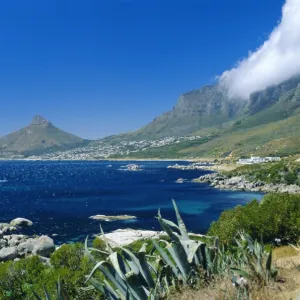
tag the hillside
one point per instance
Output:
(268, 123)
(201, 108)
(40, 135)
(215, 126)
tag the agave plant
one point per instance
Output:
(138, 276)
(253, 257)
(127, 275)
(185, 255)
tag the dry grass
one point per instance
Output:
(287, 286)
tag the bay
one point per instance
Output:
(60, 196)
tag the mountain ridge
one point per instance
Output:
(267, 123)
(40, 135)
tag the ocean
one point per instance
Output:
(59, 197)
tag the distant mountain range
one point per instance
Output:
(39, 136)
(210, 107)
(265, 124)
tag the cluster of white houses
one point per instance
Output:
(257, 160)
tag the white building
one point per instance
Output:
(257, 160)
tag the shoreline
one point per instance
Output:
(240, 183)
(220, 181)
(106, 159)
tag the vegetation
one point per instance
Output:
(268, 124)
(180, 262)
(154, 269)
(286, 171)
(20, 280)
(276, 217)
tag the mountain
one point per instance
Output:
(205, 123)
(210, 106)
(39, 136)
(200, 108)
(265, 124)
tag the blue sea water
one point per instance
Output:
(59, 197)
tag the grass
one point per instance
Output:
(242, 138)
(287, 287)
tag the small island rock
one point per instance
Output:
(21, 222)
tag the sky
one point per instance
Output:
(275, 61)
(101, 67)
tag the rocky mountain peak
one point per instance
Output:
(39, 120)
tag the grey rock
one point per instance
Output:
(3, 243)
(8, 253)
(3, 225)
(1, 234)
(5, 230)
(21, 222)
(45, 260)
(15, 240)
(26, 247)
(44, 246)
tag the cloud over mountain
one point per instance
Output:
(278, 59)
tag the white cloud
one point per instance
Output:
(278, 59)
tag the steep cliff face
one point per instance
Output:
(197, 109)
(264, 99)
(210, 107)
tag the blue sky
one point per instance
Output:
(101, 67)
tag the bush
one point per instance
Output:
(277, 216)
(19, 279)
(291, 178)
(68, 256)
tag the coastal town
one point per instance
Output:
(103, 150)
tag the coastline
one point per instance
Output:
(105, 159)
(240, 183)
(221, 181)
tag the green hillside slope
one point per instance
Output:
(268, 126)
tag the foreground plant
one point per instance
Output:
(178, 261)
(256, 259)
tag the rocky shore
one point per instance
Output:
(205, 166)
(240, 183)
(123, 237)
(15, 246)
(194, 166)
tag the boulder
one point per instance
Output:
(8, 253)
(26, 247)
(3, 225)
(6, 230)
(21, 222)
(44, 246)
(3, 243)
(15, 240)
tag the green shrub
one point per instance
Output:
(68, 256)
(19, 279)
(277, 216)
(291, 178)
